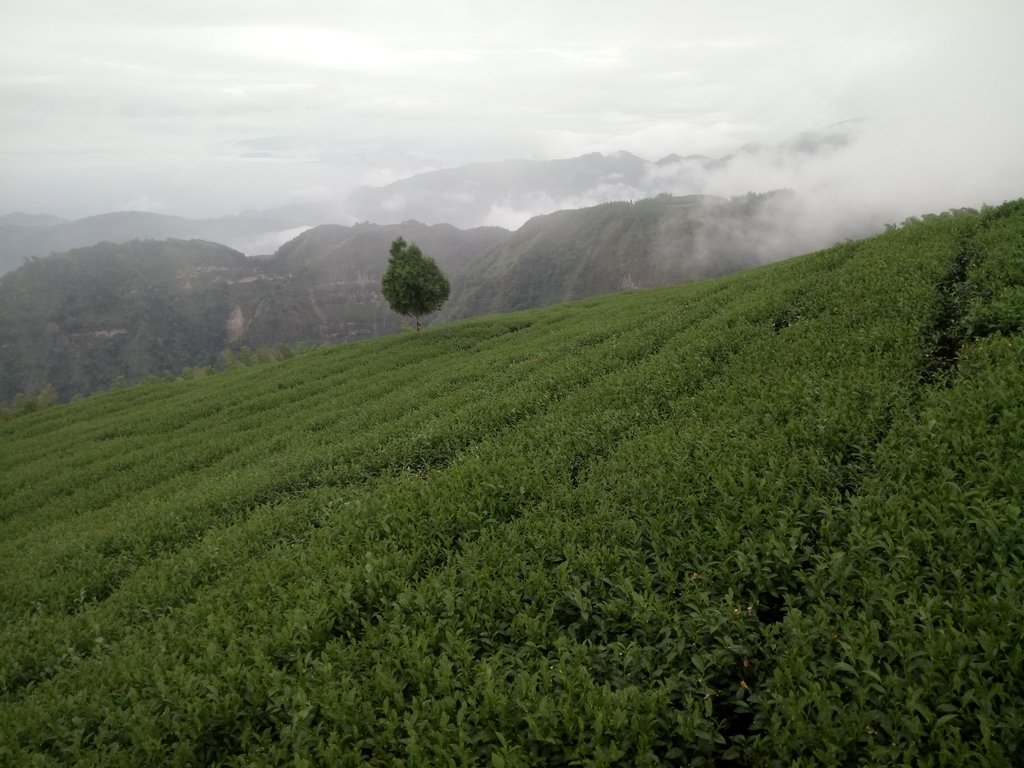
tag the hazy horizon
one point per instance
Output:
(204, 110)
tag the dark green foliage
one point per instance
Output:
(731, 522)
(413, 284)
(80, 320)
(997, 298)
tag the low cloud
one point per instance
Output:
(848, 180)
(268, 243)
(144, 204)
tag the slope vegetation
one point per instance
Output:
(79, 320)
(574, 254)
(773, 518)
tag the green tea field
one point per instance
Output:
(771, 519)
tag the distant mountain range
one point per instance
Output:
(505, 193)
(508, 193)
(20, 219)
(25, 236)
(134, 293)
(79, 320)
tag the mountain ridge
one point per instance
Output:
(508, 192)
(19, 242)
(502, 193)
(323, 286)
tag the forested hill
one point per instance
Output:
(767, 519)
(625, 245)
(80, 321)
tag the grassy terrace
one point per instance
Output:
(773, 518)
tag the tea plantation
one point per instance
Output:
(771, 519)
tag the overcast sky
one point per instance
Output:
(196, 107)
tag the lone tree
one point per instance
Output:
(413, 284)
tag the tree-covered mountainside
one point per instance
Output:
(767, 519)
(80, 320)
(658, 241)
(365, 246)
(101, 314)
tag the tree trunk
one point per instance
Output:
(417, 323)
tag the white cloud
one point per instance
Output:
(107, 101)
(268, 243)
(143, 203)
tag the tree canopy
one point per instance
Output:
(413, 284)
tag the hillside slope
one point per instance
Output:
(658, 241)
(78, 321)
(773, 518)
